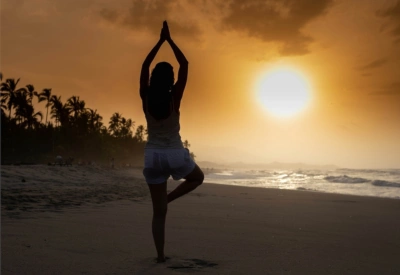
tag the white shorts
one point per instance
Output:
(160, 164)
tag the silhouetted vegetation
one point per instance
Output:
(68, 128)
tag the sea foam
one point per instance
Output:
(385, 183)
(345, 179)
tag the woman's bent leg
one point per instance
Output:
(192, 181)
(159, 198)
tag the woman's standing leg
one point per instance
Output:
(159, 198)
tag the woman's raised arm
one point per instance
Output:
(145, 72)
(183, 63)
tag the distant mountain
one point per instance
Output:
(272, 165)
(223, 157)
(224, 154)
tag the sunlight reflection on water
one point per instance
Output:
(377, 183)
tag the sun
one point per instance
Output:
(283, 92)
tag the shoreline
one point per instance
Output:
(208, 187)
(27, 188)
(304, 190)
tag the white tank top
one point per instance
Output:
(163, 133)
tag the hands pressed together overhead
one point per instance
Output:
(165, 36)
(180, 57)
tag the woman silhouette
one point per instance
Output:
(165, 154)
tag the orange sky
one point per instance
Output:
(348, 50)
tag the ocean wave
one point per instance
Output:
(345, 179)
(385, 183)
(393, 172)
(232, 175)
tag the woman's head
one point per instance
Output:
(159, 95)
(162, 77)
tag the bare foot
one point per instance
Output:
(162, 259)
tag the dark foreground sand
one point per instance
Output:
(79, 228)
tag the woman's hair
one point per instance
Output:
(160, 90)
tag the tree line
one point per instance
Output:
(68, 128)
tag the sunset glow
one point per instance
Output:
(283, 92)
(318, 80)
(213, 136)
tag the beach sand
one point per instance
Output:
(92, 220)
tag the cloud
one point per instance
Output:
(373, 64)
(110, 15)
(279, 21)
(393, 14)
(148, 16)
(391, 89)
(271, 21)
(395, 85)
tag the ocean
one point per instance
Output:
(360, 182)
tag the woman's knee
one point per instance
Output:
(199, 178)
(196, 175)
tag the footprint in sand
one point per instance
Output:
(193, 264)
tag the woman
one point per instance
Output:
(165, 155)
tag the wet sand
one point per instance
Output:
(91, 220)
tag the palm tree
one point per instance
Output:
(114, 124)
(59, 111)
(94, 120)
(3, 108)
(31, 118)
(77, 106)
(8, 90)
(126, 127)
(56, 105)
(81, 107)
(186, 144)
(140, 132)
(45, 95)
(21, 104)
(30, 91)
(64, 113)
